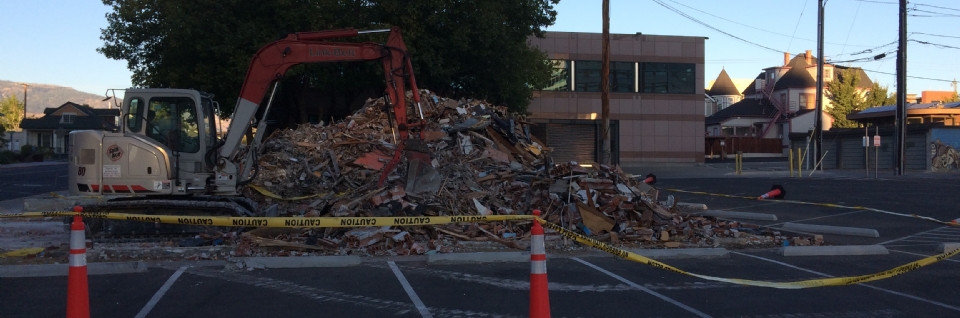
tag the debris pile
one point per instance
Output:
(472, 158)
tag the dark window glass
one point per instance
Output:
(135, 115)
(210, 128)
(668, 78)
(560, 78)
(588, 76)
(173, 122)
(621, 77)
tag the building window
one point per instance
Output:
(668, 78)
(560, 78)
(67, 118)
(45, 140)
(587, 75)
(827, 74)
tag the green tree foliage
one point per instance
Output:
(12, 110)
(458, 48)
(843, 93)
(878, 96)
(953, 98)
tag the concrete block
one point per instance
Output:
(740, 215)
(683, 253)
(947, 247)
(299, 262)
(48, 270)
(833, 250)
(479, 257)
(829, 229)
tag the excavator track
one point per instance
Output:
(131, 231)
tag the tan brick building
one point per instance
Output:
(656, 97)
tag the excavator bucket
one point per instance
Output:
(421, 176)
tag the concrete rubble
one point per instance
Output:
(479, 160)
(482, 161)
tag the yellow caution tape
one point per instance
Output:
(834, 281)
(297, 222)
(832, 205)
(325, 222)
(22, 252)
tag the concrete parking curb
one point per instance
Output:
(739, 215)
(48, 270)
(829, 229)
(845, 250)
(479, 257)
(947, 247)
(296, 262)
(683, 253)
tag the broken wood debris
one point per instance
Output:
(481, 161)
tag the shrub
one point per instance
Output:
(7, 157)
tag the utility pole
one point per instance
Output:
(605, 87)
(818, 117)
(901, 125)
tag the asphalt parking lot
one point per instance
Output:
(588, 285)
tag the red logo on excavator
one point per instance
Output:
(115, 152)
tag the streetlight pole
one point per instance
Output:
(818, 117)
(901, 126)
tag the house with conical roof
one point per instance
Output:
(721, 94)
(781, 100)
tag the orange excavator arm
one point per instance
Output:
(272, 61)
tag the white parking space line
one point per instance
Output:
(910, 236)
(750, 206)
(644, 289)
(918, 254)
(409, 289)
(163, 290)
(864, 285)
(820, 217)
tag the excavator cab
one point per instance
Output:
(159, 149)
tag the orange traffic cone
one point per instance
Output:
(776, 191)
(539, 294)
(650, 179)
(78, 294)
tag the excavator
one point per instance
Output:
(166, 156)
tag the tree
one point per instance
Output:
(953, 98)
(12, 110)
(476, 48)
(845, 97)
(878, 96)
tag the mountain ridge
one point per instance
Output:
(41, 96)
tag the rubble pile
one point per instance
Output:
(478, 160)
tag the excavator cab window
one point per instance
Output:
(172, 121)
(134, 115)
(209, 122)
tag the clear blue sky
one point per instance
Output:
(55, 41)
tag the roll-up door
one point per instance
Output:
(572, 142)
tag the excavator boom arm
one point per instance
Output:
(273, 60)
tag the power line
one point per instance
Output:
(765, 30)
(937, 35)
(917, 77)
(711, 27)
(937, 14)
(932, 6)
(855, 14)
(942, 46)
(797, 26)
